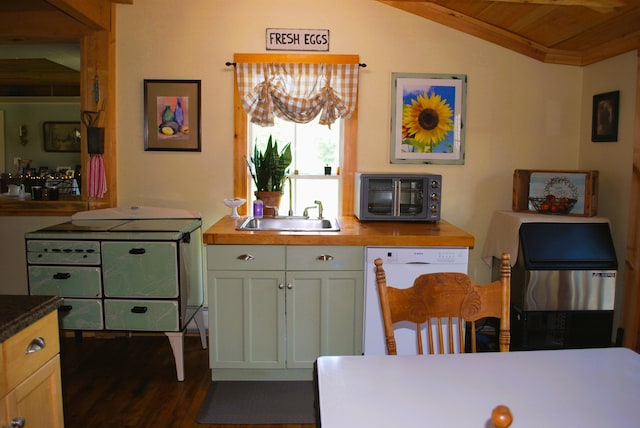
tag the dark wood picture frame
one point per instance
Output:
(61, 136)
(172, 115)
(604, 121)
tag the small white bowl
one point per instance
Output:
(234, 203)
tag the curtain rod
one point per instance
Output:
(229, 64)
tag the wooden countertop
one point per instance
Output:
(18, 312)
(352, 232)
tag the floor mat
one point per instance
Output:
(258, 402)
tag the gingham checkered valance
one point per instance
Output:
(297, 92)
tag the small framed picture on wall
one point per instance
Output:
(604, 122)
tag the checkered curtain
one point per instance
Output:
(297, 92)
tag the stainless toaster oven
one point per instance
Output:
(400, 197)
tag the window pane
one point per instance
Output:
(313, 147)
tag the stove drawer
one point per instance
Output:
(65, 281)
(63, 252)
(81, 314)
(147, 315)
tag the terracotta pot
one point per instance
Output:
(270, 199)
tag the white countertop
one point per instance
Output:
(560, 388)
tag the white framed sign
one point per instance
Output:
(289, 39)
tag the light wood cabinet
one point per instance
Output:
(274, 309)
(31, 376)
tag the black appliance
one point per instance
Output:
(562, 286)
(398, 197)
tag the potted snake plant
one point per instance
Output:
(269, 169)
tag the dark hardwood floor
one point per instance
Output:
(122, 382)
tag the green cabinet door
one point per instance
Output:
(324, 315)
(140, 269)
(246, 319)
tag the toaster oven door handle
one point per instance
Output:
(396, 197)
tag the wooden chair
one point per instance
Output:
(438, 296)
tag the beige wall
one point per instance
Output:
(613, 160)
(521, 113)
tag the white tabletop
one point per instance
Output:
(503, 233)
(560, 388)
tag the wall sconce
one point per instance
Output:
(22, 132)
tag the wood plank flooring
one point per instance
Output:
(122, 382)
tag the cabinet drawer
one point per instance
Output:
(246, 257)
(140, 269)
(149, 315)
(325, 258)
(41, 339)
(81, 314)
(63, 252)
(65, 281)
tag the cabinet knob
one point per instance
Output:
(36, 345)
(281, 286)
(289, 286)
(246, 257)
(325, 257)
(17, 422)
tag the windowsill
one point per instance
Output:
(313, 176)
(66, 205)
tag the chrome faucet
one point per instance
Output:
(290, 197)
(318, 205)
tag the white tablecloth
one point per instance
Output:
(585, 388)
(503, 234)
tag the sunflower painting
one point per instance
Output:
(427, 118)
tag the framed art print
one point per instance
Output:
(172, 115)
(604, 119)
(427, 118)
(61, 136)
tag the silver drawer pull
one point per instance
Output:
(246, 257)
(324, 257)
(37, 344)
(18, 422)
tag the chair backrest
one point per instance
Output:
(435, 297)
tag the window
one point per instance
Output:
(348, 159)
(314, 147)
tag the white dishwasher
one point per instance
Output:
(402, 265)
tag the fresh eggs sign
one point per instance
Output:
(281, 39)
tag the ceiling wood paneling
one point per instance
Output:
(556, 31)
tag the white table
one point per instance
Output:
(560, 388)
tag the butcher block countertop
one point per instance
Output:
(352, 232)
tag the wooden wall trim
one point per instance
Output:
(631, 310)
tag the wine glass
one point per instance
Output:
(234, 203)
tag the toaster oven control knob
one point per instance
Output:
(434, 197)
(434, 208)
(435, 184)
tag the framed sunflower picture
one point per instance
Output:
(427, 118)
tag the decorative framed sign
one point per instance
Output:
(172, 115)
(427, 118)
(604, 121)
(61, 136)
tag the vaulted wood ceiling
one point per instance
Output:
(574, 32)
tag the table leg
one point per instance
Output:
(177, 344)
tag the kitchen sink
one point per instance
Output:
(290, 224)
